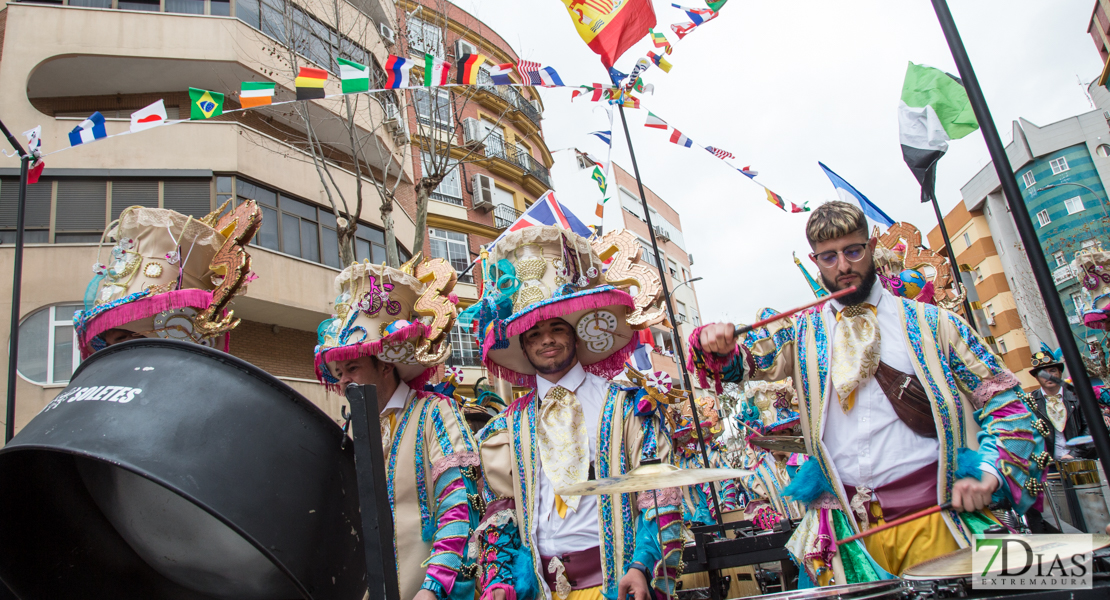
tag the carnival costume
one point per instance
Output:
(697, 503)
(1092, 267)
(533, 275)
(769, 408)
(403, 316)
(979, 423)
(169, 276)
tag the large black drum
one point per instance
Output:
(169, 470)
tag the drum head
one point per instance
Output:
(890, 589)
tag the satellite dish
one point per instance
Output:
(170, 470)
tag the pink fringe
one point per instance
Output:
(353, 351)
(606, 368)
(458, 459)
(714, 364)
(510, 592)
(992, 386)
(141, 309)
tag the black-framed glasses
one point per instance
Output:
(853, 253)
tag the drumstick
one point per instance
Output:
(896, 522)
(745, 329)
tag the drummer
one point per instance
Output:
(572, 426)
(903, 407)
(1055, 402)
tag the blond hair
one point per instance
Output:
(833, 220)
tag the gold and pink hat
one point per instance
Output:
(169, 276)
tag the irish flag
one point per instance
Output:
(256, 93)
(934, 109)
(609, 27)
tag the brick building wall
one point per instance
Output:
(279, 351)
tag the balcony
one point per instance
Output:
(515, 99)
(467, 360)
(495, 147)
(1062, 274)
(505, 215)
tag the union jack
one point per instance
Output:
(721, 154)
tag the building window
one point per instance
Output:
(978, 274)
(632, 205)
(424, 38)
(47, 352)
(648, 254)
(685, 275)
(1103, 150)
(1077, 300)
(1092, 244)
(1060, 261)
(680, 311)
(464, 348)
(1043, 218)
(1074, 205)
(450, 187)
(673, 268)
(1058, 165)
(967, 240)
(292, 25)
(454, 247)
(1028, 179)
(433, 107)
(1002, 347)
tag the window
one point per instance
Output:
(967, 240)
(680, 311)
(1091, 244)
(464, 348)
(672, 267)
(1103, 150)
(36, 214)
(424, 38)
(1058, 165)
(989, 309)
(1060, 261)
(648, 254)
(310, 36)
(454, 247)
(433, 107)
(1002, 347)
(47, 352)
(685, 275)
(1043, 218)
(450, 188)
(1028, 179)
(978, 274)
(1077, 300)
(632, 205)
(1074, 205)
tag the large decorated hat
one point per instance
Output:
(170, 276)
(1046, 358)
(908, 269)
(1092, 267)
(544, 272)
(402, 316)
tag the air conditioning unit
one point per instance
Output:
(473, 132)
(662, 233)
(400, 132)
(392, 111)
(483, 191)
(536, 105)
(463, 47)
(387, 33)
(690, 258)
(990, 320)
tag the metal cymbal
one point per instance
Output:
(650, 477)
(780, 443)
(958, 563)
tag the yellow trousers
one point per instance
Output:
(906, 545)
(593, 593)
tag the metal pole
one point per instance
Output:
(1100, 202)
(953, 263)
(1024, 224)
(679, 354)
(17, 283)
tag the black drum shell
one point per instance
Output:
(213, 429)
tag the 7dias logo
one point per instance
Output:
(1046, 562)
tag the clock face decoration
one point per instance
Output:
(596, 330)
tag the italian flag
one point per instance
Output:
(655, 122)
(934, 109)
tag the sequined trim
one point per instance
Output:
(391, 467)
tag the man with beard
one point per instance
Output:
(903, 407)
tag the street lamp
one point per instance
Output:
(1093, 193)
(685, 282)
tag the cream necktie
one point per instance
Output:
(855, 355)
(1054, 406)
(561, 432)
(388, 421)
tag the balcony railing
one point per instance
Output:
(504, 215)
(465, 360)
(515, 99)
(1062, 274)
(497, 148)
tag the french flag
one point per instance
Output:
(398, 69)
(90, 130)
(500, 74)
(677, 137)
(547, 211)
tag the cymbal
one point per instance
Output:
(780, 443)
(958, 563)
(650, 477)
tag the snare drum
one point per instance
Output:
(875, 590)
(1090, 491)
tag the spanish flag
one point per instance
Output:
(609, 27)
(467, 68)
(310, 83)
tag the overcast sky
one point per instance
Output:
(783, 85)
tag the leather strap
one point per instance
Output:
(908, 397)
(583, 569)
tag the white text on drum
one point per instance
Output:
(107, 393)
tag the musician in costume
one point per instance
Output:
(390, 330)
(903, 407)
(554, 322)
(697, 503)
(1055, 402)
(168, 276)
(768, 409)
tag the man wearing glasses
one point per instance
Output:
(903, 407)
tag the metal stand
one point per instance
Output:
(17, 282)
(1024, 224)
(377, 517)
(711, 556)
(680, 356)
(952, 261)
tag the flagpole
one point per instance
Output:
(17, 283)
(679, 354)
(955, 266)
(1024, 223)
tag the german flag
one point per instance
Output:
(467, 68)
(776, 199)
(310, 83)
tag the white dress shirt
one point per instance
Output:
(397, 400)
(556, 536)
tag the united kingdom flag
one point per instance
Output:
(547, 211)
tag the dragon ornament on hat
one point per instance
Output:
(544, 272)
(169, 276)
(402, 316)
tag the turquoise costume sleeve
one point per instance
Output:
(665, 564)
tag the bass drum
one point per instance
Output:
(170, 470)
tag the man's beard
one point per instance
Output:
(862, 291)
(560, 366)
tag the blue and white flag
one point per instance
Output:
(90, 130)
(847, 193)
(605, 136)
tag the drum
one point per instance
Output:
(875, 590)
(1090, 491)
(742, 581)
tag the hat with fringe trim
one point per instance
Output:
(169, 276)
(1092, 267)
(546, 272)
(402, 316)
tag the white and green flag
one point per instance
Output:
(934, 109)
(353, 77)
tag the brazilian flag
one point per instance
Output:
(599, 177)
(204, 104)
